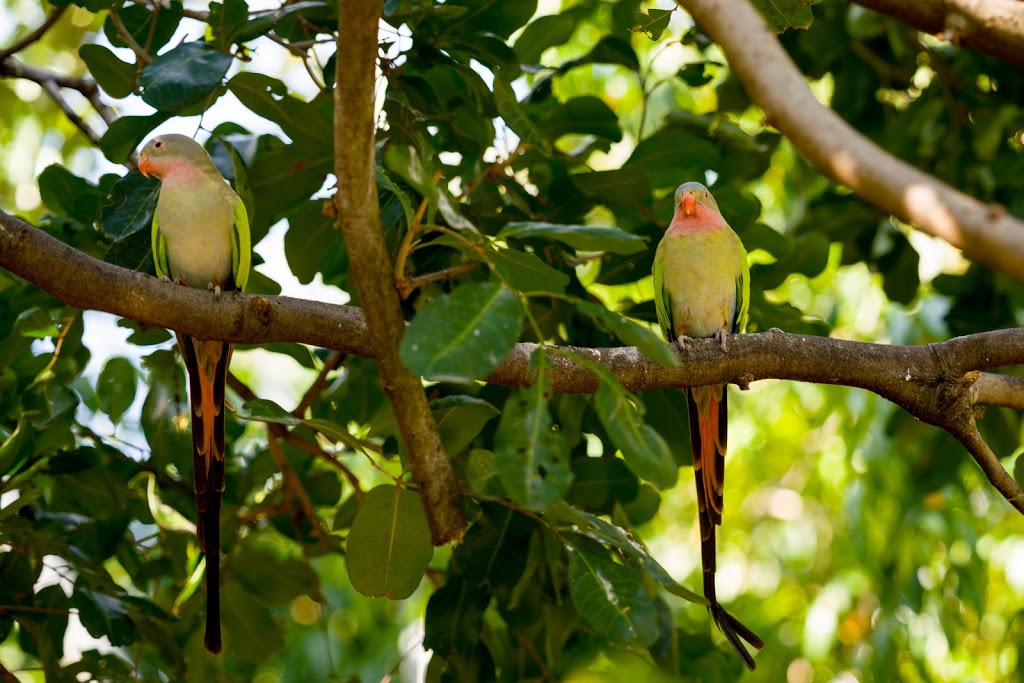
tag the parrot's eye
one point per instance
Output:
(158, 144)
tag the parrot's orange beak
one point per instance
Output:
(689, 205)
(145, 166)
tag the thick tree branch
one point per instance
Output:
(995, 27)
(359, 217)
(985, 232)
(937, 383)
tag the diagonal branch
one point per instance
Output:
(986, 233)
(358, 215)
(935, 382)
(52, 84)
(992, 26)
(29, 38)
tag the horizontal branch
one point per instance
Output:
(995, 27)
(937, 383)
(986, 233)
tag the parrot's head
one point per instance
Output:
(689, 195)
(165, 153)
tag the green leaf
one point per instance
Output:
(459, 419)
(271, 568)
(226, 18)
(587, 115)
(133, 252)
(388, 548)
(611, 598)
(544, 32)
(454, 617)
(66, 194)
(130, 206)
(464, 335)
(125, 134)
(515, 116)
(600, 483)
(186, 75)
(481, 474)
(653, 22)
(104, 615)
(526, 272)
(116, 387)
(117, 78)
(619, 188)
(269, 98)
(152, 28)
(672, 157)
(262, 23)
(784, 14)
(530, 453)
(606, 533)
(643, 449)
(581, 237)
(629, 333)
(252, 633)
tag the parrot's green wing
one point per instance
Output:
(159, 251)
(662, 301)
(241, 246)
(739, 321)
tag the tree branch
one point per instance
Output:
(52, 83)
(937, 383)
(986, 233)
(29, 38)
(359, 217)
(995, 27)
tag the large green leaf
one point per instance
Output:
(460, 419)
(630, 333)
(116, 387)
(462, 336)
(586, 115)
(272, 569)
(389, 547)
(530, 453)
(130, 206)
(515, 116)
(104, 615)
(117, 78)
(186, 75)
(582, 237)
(250, 631)
(454, 616)
(150, 28)
(643, 449)
(611, 597)
(269, 98)
(125, 134)
(526, 272)
(784, 14)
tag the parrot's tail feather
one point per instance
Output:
(735, 632)
(211, 638)
(207, 364)
(707, 443)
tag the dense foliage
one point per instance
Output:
(526, 163)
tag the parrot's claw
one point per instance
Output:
(723, 336)
(164, 278)
(215, 288)
(683, 342)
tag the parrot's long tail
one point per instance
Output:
(207, 364)
(708, 409)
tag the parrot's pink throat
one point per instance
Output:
(693, 217)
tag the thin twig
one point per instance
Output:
(35, 35)
(331, 364)
(318, 452)
(296, 487)
(412, 284)
(140, 53)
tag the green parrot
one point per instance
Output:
(702, 290)
(200, 239)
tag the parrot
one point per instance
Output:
(201, 239)
(702, 290)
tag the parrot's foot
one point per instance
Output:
(683, 342)
(723, 337)
(215, 288)
(735, 632)
(164, 278)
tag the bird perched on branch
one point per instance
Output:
(200, 239)
(702, 290)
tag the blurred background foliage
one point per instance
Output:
(860, 543)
